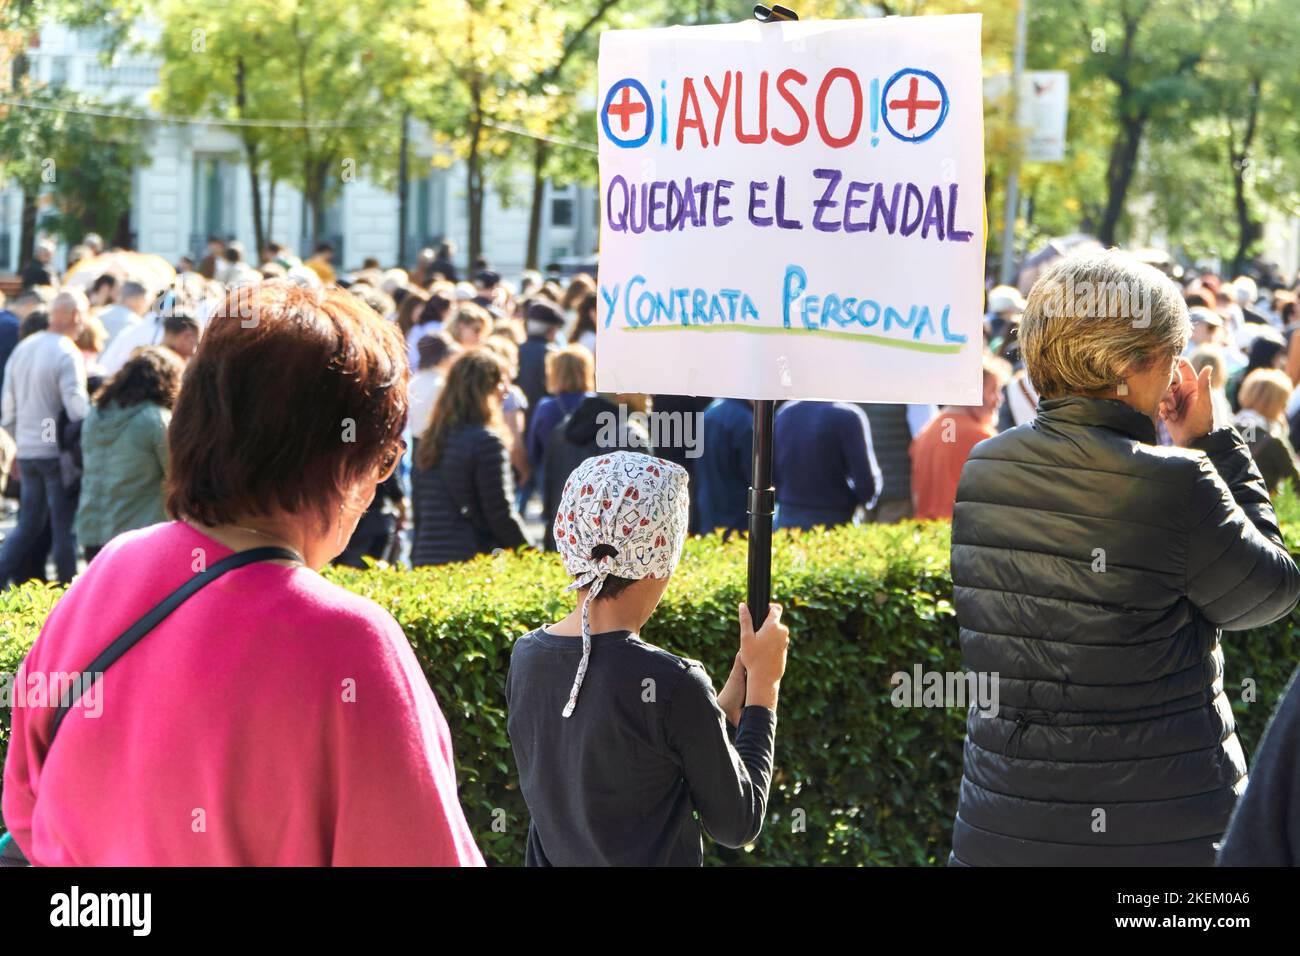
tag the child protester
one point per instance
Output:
(614, 778)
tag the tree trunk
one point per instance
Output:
(27, 232)
(17, 70)
(1119, 173)
(123, 238)
(19, 66)
(403, 188)
(314, 179)
(250, 151)
(474, 196)
(317, 217)
(1248, 228)
(270, 210)
(533, 257)
(1128, 134)
(473, 174)
(255, 184)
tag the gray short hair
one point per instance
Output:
(1092, 317)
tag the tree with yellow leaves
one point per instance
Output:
(473, 79)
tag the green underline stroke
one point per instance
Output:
(945, 348)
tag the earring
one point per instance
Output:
(1122, 389)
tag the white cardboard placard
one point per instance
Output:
(825, 240)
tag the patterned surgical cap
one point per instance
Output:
(623, 514)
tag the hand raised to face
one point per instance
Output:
(1187, 408)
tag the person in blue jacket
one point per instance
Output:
(822, 464)
(722, 471)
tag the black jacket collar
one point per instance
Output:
(1098, 413)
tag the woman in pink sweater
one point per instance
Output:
(272, 718)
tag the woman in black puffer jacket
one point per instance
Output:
(462, 488)
(1093, 572)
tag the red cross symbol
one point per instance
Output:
(911, 104)
(625, 109)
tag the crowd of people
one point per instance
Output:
(504, 402)
(340, 753)
(409, 415)
(495, 373)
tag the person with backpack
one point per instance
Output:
(593, 428)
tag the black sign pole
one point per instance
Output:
(773, 13)
(762, 502)
(762, 496)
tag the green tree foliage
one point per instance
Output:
(1251, 94)
(559, 117)
(475, 78)
(31, 150)
(1184, 124)
(321, 68)
(56, 144)
(95, 161)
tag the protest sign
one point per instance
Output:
(793, 210)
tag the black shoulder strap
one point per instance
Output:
(83, 681)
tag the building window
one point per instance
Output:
(92, 39)
(561, 211)
(208, 196)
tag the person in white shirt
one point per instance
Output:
(45, 375)
(190, 295)
(147, 331)
(428, 322)
(132, 304)
(437, 352)
(1209, 328)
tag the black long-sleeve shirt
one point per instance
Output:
(616, 783)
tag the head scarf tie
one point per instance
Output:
(623, 514)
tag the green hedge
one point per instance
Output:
(857, 781)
